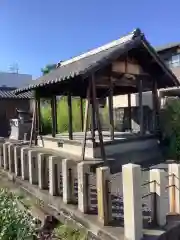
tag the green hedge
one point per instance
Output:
(62, 115)
(170, 123)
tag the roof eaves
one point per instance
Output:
(129, 37)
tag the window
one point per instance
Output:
(174, 61)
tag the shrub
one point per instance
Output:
(46, 117)
(68, 233)
(62, 115)
(170, 123)
(14, 223)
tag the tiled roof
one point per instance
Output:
(94, 60)
(167, 46)
(11, 95)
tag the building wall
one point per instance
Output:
(122, 100)
(14, 80)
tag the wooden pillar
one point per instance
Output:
(111, 117)
(70, 116)
(155, 106)
(39, 128)
(54, 115)
(93, 121)
(55, 109)
(96, 108)
(141, 114)
(81, 112)
(35, 123)
(86, 120)
(129, 112)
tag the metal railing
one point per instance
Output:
(153, 209)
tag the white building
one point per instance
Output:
(14, 80)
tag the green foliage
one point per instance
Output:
(48, 68)
(170, 122)
(46, 118)
(62, 116)
(67, 233)
(14, 223)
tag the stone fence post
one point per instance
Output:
(158, 188)
(132, 196)
(83, 169)
(104, 195)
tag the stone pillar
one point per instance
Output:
(11, 157)
(43, 170)
(5, 155)
(174, 187)
(83, 187)
(1, 156)
(55, 167)
(132, 198)
(158, 187)
(17, 160)
(104, 195)
(24, 163)
(33, 166)
(68, 181)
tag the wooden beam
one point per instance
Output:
(141, 114)
(55, 109)
(111, 115)
(103, 154)
(33, 128)
(86, 120)
(69, 98)
(39, 127)
(156, 107)
(129, 112)
(93, 121)
(54, 115)
(34, 121)
(81, 113)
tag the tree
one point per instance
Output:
(48, 68)
(170, 123)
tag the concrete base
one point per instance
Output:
(122, 143)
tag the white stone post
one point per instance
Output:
(5, 155)
(158, 187)
(68, 180)
(17, 160)
(1, 155)
(174, 187)
(33, 166)
(55, 168)
(24, 163)
(11, 157)
(43, 170)
(83, 187)
(132, 198)
(104, 195)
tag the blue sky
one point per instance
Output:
(37, 32)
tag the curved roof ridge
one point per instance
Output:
(106, 46)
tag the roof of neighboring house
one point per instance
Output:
(167, 46)
(8, 94)
(14, 80)
(84, 65)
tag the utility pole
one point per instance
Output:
(14, 68)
